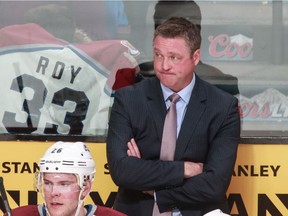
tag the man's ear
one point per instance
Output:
(87, 189)
(196, 56)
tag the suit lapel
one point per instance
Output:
(156, 107)
(195, 109)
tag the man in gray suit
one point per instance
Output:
(208, 132)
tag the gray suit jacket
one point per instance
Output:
(209, 134)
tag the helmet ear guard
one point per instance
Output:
(37, 181)
(68, 157)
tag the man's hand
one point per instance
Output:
(151, 193)
(192, 169)
(133, 149)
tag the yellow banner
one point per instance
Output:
(258, 186)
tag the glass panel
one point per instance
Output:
(61, 61)
(249, 41)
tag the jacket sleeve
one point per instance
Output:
(131, 172)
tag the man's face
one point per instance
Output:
(61, 193)
(173, 62)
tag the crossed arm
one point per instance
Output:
(190, 168)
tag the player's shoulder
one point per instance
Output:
(105, 211)
(27, 210)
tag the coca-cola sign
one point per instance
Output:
(225, 47)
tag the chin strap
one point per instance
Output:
(46, 210)
(80, 202)
(45, 206)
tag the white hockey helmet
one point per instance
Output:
(69, 157)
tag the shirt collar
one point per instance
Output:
(185, 93)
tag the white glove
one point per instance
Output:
(216, 212)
